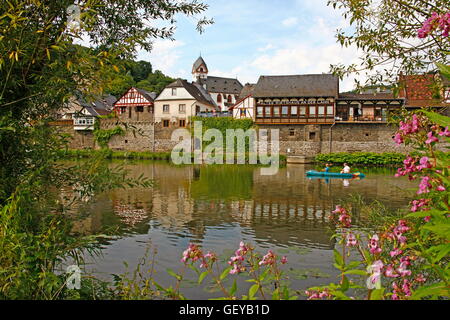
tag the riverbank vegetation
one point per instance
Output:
(362, 158)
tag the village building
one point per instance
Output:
(181, 100)
(425, 91)
(135, 105)
(83, 114)
(245, 106)
(224, 91)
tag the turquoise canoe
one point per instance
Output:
(313, 173)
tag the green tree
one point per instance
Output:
(155, 82)
(386, 32)
(139, 70)
(41, 67)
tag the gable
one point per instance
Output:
(133, 97)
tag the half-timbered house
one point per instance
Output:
(245, 106)
(135, 105)
(296, 99)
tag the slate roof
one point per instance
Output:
(367, 96)
(194, 90)
(222, 85)
(248, 89)
(310, 85)
(198, 63)
(150, 96)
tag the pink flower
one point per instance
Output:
(445, 133)
(395, 252)
(312, 295)
(284, 260)
(424, 163)
(424, 186)
(431, 138)
(390, 272)
(402, 271)
(193, 253)
(398, 138)
(268, 259)
(420, 278)
(440, 188)
(351, 240)
(418, 204)
(373, 245)
(374, 281)
(427, 219)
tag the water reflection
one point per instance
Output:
(217, 206)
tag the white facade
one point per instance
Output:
(244, 109)
(175, 104)
(223, 99)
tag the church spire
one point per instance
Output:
(199, 69)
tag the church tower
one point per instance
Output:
(199, 69)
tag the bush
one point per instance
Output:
(367, 158)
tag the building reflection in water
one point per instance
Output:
(191, 201)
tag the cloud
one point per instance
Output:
(164, 55)
(290, 22)
(266, 48)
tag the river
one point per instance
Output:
(219, 206)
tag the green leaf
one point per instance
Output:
(377, 294)
(357, 272)
(225, 273)
(233, 288)
(438, 289)
(202, 277)
(440, 119)
(338, 258)
(252, 291)
(173, 274)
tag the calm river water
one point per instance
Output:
(217, 207)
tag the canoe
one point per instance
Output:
(313, 173)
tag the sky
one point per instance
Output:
(251, 38)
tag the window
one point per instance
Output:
(219, 98)
(123, 109)
(294, 111)
(267, 112)
(321, 111)
(165, 123)
(292, 132)
(139, 109)
(174, 91)
(312, 111)
(302, 111)
(285, 111)
(243, 113)
(150, 109)
(230, 99)
(182, 108)
(182, 123)
(259, 112)
(276, 111)
(166, 108)
(330, 111)
(312, 135)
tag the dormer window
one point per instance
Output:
(174, 91)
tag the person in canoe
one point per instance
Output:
(327, 168)
(346, 169)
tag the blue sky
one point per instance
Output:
(257, 37)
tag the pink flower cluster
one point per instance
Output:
(344, 218)
(268, 260)
(401, 270)
(373, 245)
(419, 205)
(404, 290)
(193, 253)
(436, 21)
(237, 260)
(410, 166)
(376, 270)
(351, 240)
(320, 294)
